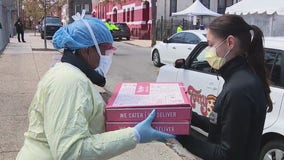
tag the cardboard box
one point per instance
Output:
(133, 102)
(176, 128)
(163, 114)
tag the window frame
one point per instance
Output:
(279, 54)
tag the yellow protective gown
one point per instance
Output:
(66, 120)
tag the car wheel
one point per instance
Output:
(273, 150)
(128, 38)
(156, 58)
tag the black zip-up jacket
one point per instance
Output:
(235, 126)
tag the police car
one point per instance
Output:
(203, 85)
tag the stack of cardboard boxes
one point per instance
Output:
(133, 102)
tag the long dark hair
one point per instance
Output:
(250, 44)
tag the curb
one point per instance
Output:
(136, 44)
(43, 49)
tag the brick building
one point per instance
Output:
(136, 13)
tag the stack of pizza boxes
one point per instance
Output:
(131, 103)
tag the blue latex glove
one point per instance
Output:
(147, 133)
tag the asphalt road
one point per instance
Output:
(131, 64)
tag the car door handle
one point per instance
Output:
(174, 47)
(189, 48)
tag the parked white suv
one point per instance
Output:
(203, 86)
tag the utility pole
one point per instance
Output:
(18, 8)
(45, 46)
(154, 26)
(71, 4)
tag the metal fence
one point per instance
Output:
(166, 28)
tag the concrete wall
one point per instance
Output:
(8, 16)
(4, 37)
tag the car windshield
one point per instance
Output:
(53, 20)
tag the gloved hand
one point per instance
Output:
(147, 133)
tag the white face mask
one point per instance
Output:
(213, 59)
(105, 62)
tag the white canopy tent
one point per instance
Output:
(266, 14)
(257, 7)
(196, 9)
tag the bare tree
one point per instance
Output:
(35, 8)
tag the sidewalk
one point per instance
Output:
(140, 43)
(21, 67)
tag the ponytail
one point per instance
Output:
(255, 56)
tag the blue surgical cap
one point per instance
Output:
(76, 35)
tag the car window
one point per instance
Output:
(177, 38)
(53, 20)
(191, 38)
(273, 59)
(199, 63)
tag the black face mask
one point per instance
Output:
(77, 61)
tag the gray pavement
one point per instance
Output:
(141, 43)
(21, 67)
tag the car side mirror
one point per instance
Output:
(180, 63)
(165, 40)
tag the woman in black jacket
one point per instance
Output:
(236, 123)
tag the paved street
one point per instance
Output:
(21, 67)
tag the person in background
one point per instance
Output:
(197, 26)
(66, 116)
(20, 30)
(235, 125)
(112, 27)
(179, 28)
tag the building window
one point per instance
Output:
(115, 15)
(87, 8)
(222, 4)
(146, 12)
(124, 15)
(173, 6)
(206, 3)
(80, 7)
(132, 14)
(128, 15)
